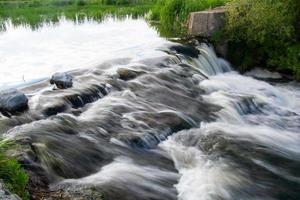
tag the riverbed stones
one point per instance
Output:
(5, 194)
(206, 23)
(62, 80)
(12, 101)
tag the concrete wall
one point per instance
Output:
(206, 23)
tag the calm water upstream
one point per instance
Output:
(147, 118)
(27, 54)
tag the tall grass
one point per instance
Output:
(36, 13)
(173, 14)
(14, 177)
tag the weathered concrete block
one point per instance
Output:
(206, 23)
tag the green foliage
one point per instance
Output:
(14, 177)
(81, 2)
(265, 31)
(37, 13)
(173, 14)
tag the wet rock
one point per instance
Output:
(222, 49)
(12, 101)
(263, 74)
(72, 194)
(62, 80)
(128, 74)
(186, 50)
(5, 194)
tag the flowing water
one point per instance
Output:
(147, 118)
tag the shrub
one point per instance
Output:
(265, 31)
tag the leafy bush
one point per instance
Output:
(264, 32)
(14, 177)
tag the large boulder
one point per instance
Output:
(12, 101)
(206, 23)
(62, 80)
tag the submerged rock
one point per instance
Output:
(62, 80)
(263, 74)
(6, 195)
(12, 101)
(128, 74)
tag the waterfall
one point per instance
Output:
(175, 123)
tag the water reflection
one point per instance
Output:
(37, 16)
(36, 22)
(28, 54)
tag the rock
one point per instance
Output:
(222, 49)
(12, 101)
(128, 74)
(263, 74)
(5, 194)
(186, 50)
(206, 23)
(62, 80)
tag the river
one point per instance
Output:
(147, 118)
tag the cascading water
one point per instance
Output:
(178, 125)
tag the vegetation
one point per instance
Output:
(264, 32)
(260, 32)
(14, 177)
(173, 14)
(36, 13)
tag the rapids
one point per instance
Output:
(163, 121)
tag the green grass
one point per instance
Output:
(11, 172)
(262, 33)
(173, 14)
(36, 13)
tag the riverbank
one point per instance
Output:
(35, 13)
(257, 33)
(97, 118)
(12, 177)
(142, 125)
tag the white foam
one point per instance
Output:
(204, 176)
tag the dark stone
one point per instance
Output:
(62, 80)
(186, 50)
(222, 49)
(12, 101)
(128, 74)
